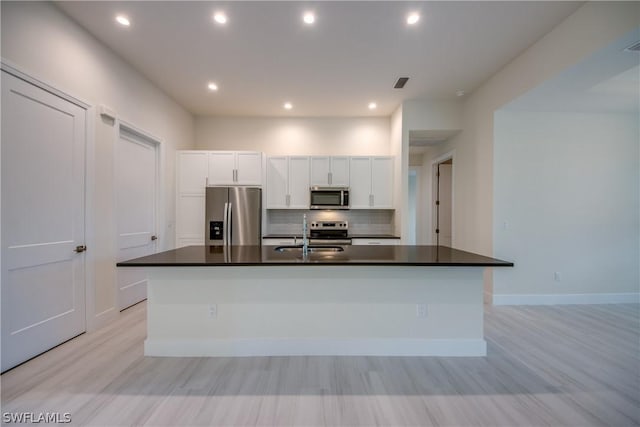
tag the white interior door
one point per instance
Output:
(43, 220)
(136, 189)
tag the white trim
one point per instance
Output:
(105, 317)
(91, 323)
(14, 70)
(560, 299)
(430, 207)
(315, 347)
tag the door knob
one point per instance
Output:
(79, 249)
(154, 237)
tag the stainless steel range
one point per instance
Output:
(329, 233)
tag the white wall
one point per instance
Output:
(295, 136)
(400, 173)
(44, 43)
(591, 28)
(567, 185)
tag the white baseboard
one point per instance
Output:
(102, 319)
(560, 299)
(315, 347)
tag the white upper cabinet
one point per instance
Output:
(277, 182)
(222, 167)
(235, 168)
(191, 172)
(320, 170)
(298, 183)
(330, 171)
(288, 182)
(360, 187)
(382, 182)
(371, 182)
(248, 168)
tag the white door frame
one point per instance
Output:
(420, 205)
(159, 211)
(91, 321)
(431, 195)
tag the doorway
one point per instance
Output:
(137, 194)
(44, 141)
(442, 203)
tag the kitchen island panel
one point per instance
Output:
(314, 310)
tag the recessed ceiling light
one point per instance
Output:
(212, 86)
(373, 106)
(123, 20)
(288, 106)
(220, 18)
(459, 92)
(309, 18)
(413, 18)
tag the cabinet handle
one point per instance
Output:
(330, 178)
(206, 181)
(288, 200)
(370, 199)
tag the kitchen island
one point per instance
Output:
(260, 301)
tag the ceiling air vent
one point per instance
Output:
(635, 47)
(401, 82)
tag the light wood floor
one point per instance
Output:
(562, 365)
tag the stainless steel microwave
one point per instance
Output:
(329, 198)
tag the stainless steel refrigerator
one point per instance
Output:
(233, 216)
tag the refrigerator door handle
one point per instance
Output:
(229, 224)
(225, 224)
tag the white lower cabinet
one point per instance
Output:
(381, 242)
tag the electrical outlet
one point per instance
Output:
(213, 311)
(421, 310)
(557, 276)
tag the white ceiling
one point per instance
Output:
(352, 55)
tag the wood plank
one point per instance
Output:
(547, 365)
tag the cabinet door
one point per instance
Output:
(190, 218)
(360, 182)
(339, 171)
(382, 182)
(221, 167)
(249, 168)
(298, 182)
(277, 178)
(191, 172)
(320, 168)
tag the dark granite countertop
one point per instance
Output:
(210, 256)
(351, 236)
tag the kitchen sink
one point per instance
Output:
(312, 248)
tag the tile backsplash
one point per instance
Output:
(289, 221)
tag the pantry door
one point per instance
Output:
(43, 220)
(136, 204)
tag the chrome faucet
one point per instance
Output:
(305, 242)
